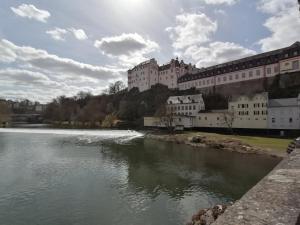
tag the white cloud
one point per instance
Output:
(275, 6)
(192, 39)
(191, 29)
(217, 2)
(216, 53)
(129, 48)
(49, 75)
(283, 23)
(78, 33)
(31, 12)
(57, 34)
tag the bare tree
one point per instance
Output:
(166, 114)
(116, 87)
(5, 114)
(228, 119)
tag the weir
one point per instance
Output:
(274, 200)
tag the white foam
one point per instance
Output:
(91, 135)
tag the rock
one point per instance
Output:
(198, 139)
(207, 216)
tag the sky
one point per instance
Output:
(62, 47)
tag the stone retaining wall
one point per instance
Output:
(274, 200)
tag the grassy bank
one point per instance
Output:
(269, 143)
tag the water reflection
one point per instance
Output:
(115, 177)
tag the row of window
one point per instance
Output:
(190, 107)
(274, 120)
(256, 112)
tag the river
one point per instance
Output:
(64, 177)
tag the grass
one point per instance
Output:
(273, 144)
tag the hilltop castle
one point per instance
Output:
(182, 76)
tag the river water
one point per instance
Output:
(62, 177)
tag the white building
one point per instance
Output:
(149, 73)
(250, 111)
(284, 113)
(268, 64)
(188, 105)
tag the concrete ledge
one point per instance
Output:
(274, 200)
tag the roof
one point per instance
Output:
(249, 96)
(244, 63)
(284, 102)
(185, 99)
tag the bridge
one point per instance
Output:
(26, 118)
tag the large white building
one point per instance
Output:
(149, 73)
(246, 112)
(268, 64)
(284, 113)
(188, 105)
(177, 74)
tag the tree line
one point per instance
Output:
(115, 107)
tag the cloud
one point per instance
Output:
(129, 48)
(275, 6)
(283, 23)
(191, 29)
(57, 33)
(39, 70)
(31, 12)
(216, 53)
(192, 38)
(78, 33)
(217, 2)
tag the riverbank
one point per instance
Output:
(275, 147)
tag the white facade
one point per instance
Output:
(149, 73)
(143, 76)
(177, 121)
(251, 68)
(188, 105)
(246, 112)
(284, 113)
(250, 111)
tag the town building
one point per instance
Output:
(250, 111)
(149, 73)
(188, 105)
(212, 119)
(284, 114)
(265, 65)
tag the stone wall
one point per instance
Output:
(274, 200)
(255, 86)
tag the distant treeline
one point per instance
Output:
(118, 106)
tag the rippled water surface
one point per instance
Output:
(55, 177)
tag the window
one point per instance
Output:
(257, 72)
(295, 65)
(224, 78)
(291, 120)
(230, 77)
(236, 76)
(269, 70)
(243, 75)
(250, 73)
(194, 107)
(273, 120)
